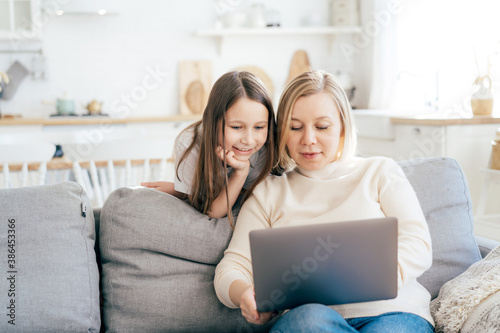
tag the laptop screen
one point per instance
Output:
(330, 263)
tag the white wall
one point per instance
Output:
(107, 58)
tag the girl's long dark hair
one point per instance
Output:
(211, 174)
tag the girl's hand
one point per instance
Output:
(232, 160)
(160, 186)
(166, 187)
(249, 308)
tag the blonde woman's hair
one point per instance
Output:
(210, 176)
(307, 84)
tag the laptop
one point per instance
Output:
(331, 263)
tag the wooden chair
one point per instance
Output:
(19, 155)
(98, 168)
(93, 175)
(103, 167)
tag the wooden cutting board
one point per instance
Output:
(195, 82)
(299, 65)
(257, 71)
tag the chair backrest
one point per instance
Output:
(24, 153)
(100, 168)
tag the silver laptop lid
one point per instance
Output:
(331, 263)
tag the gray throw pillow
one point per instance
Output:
(158, 258)
(49, 278)
(443, 194)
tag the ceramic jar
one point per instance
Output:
(482, 98)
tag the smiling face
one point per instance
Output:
(246, 128)
(315, 131)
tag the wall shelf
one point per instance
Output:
(94, 120)
(328, 31)
(277, 31)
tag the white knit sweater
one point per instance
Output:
(357, 188)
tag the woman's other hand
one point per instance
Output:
(249, 308)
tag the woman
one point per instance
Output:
(329, 183)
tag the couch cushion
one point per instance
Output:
(158, 261)
(51, 283)
(470, 301)
(443, 193)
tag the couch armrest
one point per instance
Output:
(486, 245)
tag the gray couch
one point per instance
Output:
(145, 261)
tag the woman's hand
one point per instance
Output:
(249, 308)
(232, 160)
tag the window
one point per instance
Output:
(440, 47)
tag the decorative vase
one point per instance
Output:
(482, 98)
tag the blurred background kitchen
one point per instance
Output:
(96, 78)
(88, 56)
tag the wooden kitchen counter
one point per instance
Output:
(89, 120)
(444, 120)
(424, 119)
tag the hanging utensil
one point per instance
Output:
(16, 72)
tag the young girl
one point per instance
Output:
(229, 151)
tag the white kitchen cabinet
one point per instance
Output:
(5, 131)
(91, 132)
(419, 141)
(19, 19)
(403, 142)
(470, 145)
(487, 219)
(467, 142)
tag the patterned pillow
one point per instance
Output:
(485, 316)
(471, 301)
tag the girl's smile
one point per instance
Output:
(243, 151)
